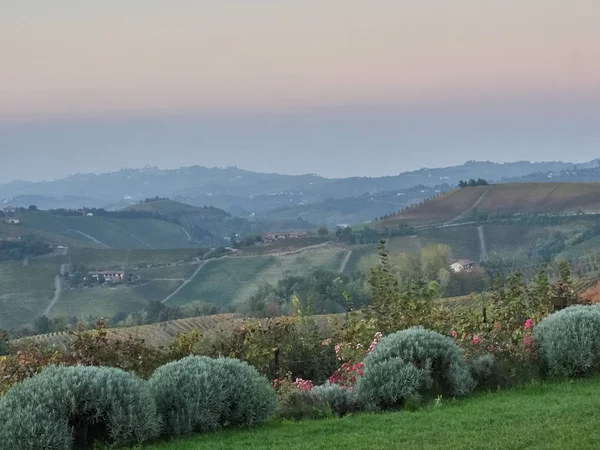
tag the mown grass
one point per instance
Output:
(558, 415)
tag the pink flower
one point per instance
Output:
(476, 340)
(361, 373)
(454, 333)
(528, 324)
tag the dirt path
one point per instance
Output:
(345, 261)
(186, 282)
(470, 208)
(91, 238)
(483, 256)
(189, 236)
(57, 286)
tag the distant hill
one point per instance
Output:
(250, 195)
(513, 198)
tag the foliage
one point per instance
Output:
(274, 347)
(397, 306)
(25, 364)
(303, 405)
(440, 362)
(321, 291)
(568, 342)
(97, 348)
(83, 405)
(472, 182)
(23, 248)
(198, 394)
(341, 401)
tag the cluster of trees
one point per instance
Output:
(25, 247)
(368, 235)
(472, 183)
(321, 291)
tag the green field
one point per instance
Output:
(124, 259)
(229, 281)
(559, 415)
(25, 291)
(101, 232)
(108, 301)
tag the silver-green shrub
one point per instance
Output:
(388, 383)
(568, 342)
(64, 407)
(341, 401)
(435, 361)
(198, 394)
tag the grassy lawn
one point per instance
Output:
(546, 416)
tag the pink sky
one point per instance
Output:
(69, 58)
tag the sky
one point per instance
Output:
(333, 87)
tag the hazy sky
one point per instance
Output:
(327, 86)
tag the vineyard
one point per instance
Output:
(162, 334)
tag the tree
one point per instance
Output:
(43, 325)
(32, 208)
(323, 231)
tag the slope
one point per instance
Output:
(513, 198)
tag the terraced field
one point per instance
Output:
(162, 334)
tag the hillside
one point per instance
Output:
(173, 276)
(100, 232)
(514, 198)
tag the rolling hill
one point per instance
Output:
(513, 198)
(249, 194)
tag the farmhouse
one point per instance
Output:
(279, 236)
(116, 276)
(461, 265)
(12, 221)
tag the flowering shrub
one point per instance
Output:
(349, 372)
(25, 364)
(503, 343)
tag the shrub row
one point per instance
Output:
(75, 407)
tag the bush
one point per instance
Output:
(303, 405)
(568, 342)
(437, 363)
(388, 384)
(341, 401)
(484, 368)
(82, 405)
(198, 394)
